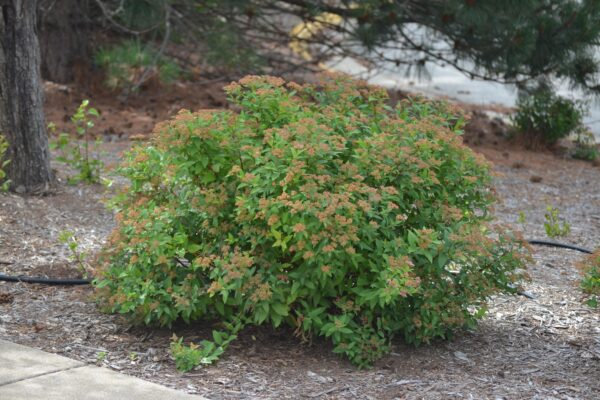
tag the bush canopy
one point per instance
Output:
(316, 206)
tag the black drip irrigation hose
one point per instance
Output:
(52, 281)
(560, 245)
(45, 281)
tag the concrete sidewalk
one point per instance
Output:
(30, 374)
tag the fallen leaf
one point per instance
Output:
(6, 298)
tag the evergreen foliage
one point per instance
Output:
(125, 63)
(508, 41)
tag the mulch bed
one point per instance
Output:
(547, 347)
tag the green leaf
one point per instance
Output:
(276, 319)
(217, 337)
(193, 248)
(208, 177)
(280, 309)
(261, 313)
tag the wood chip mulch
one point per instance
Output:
(544, 347)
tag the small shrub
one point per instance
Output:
(591, 278)
(544, 117)
(585, 146)
(76, 153)
(554, 225)
(318, 207)
(77, 256)
(4, 183)
(125, 63)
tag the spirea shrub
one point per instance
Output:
(315, 206)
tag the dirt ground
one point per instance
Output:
(545, 347)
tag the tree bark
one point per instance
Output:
(63, 38)
(21, 98)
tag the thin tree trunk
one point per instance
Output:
(21, 98)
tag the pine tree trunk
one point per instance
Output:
(21, 98)
(63, 38)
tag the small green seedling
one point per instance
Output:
(554, 225)
(101, 356)
(521, 218)
(188, 357)
(76, 153)
(79, 257)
